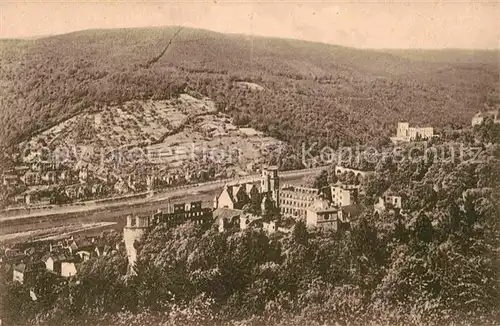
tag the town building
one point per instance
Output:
(97, 189)
(31, 178)
(60, 264)
(56, 247)
(18, 273)
(25, 273)
(68, 268)
(72, 192)
(83, 175)
(10, 179)
(269, 227)
(405, 133)
(21, 169)
(80, 245)
(44, 166)
(121, 187)
(151, 182)
(64, 175)
(50, 177)
(13, 256)
(103, 250)
(21, 199)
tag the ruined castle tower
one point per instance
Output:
(132, 232)
(270, 183)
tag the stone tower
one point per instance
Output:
(270, 183)
(132, 232)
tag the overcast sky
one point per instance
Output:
(415, 24)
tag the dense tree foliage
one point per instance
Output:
(434, 262)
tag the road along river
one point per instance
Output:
(115, 211)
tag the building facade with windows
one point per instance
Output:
(405, 133)
(344, 195)
(294, 201)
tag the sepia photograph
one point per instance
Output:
(249, 163)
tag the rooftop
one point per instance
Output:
(226, 213)
(322, 205)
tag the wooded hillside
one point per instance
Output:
(312, 91)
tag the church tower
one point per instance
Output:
(132, 232)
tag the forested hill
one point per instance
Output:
(311, 91)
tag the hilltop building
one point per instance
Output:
(405, 133)
(479, 117)
(179, 213)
